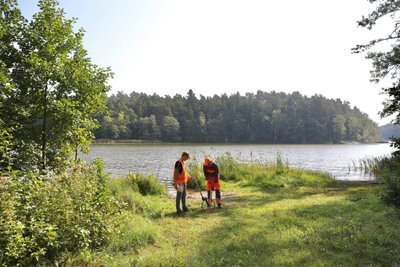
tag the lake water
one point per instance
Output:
(159, 159)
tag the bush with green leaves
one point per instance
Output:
(228, 167)
(5, 150)
(146, 185)
(387, 170)
(43, 218)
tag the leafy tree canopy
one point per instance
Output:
(385, 63)
(50, 88)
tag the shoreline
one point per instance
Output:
(147, 142)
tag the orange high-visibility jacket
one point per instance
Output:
(182, 177)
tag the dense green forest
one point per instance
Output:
(263, 117)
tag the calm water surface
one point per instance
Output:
(159, 159)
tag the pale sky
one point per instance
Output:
(228, 46)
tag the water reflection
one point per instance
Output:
(159, 159)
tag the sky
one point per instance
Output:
(228, 46)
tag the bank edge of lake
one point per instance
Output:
(147, 142)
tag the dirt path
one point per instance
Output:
(194, 194)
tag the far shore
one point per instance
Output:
(156, 142)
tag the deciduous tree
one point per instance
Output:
(387, 62)
(55, 89)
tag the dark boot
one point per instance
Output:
(185, 209)
(178, 212)
(208, 198)
(218, 197)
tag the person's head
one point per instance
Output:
(185, 156)
(207, 161)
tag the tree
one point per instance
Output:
(10, 22)
(147, 128)
(254, 118)
(55, 88)
(387, 62)
(170, 129)
(338, 128)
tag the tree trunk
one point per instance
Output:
(44, 130)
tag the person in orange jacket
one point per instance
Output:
(181, 176)
(211, 173)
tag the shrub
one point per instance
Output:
(147, 185)
(388, 171)
(5, 150)
(45, 217)
(228, 167)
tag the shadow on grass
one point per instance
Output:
(339, 233)
(354, 229)
(331, 234)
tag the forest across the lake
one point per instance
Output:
(263, 117)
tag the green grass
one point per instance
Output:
(272, 216)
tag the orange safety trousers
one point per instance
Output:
(212, 185)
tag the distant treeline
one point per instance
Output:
(389, 131)
(264, 117)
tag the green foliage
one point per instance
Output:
(146, 185)
(228, 167)
(50, 88)
(5, 150)
(170, 129)
(126, 190)
(267, 175)
(136, 192)
(137, 231)
(387, 170)
(195, 169)
(264, 117)
(385, 63)
(43, 218)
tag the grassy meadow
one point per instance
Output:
(272, 216)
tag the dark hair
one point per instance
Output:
(185, 154)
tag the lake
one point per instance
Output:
(159, 159)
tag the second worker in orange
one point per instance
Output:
(211, 173)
